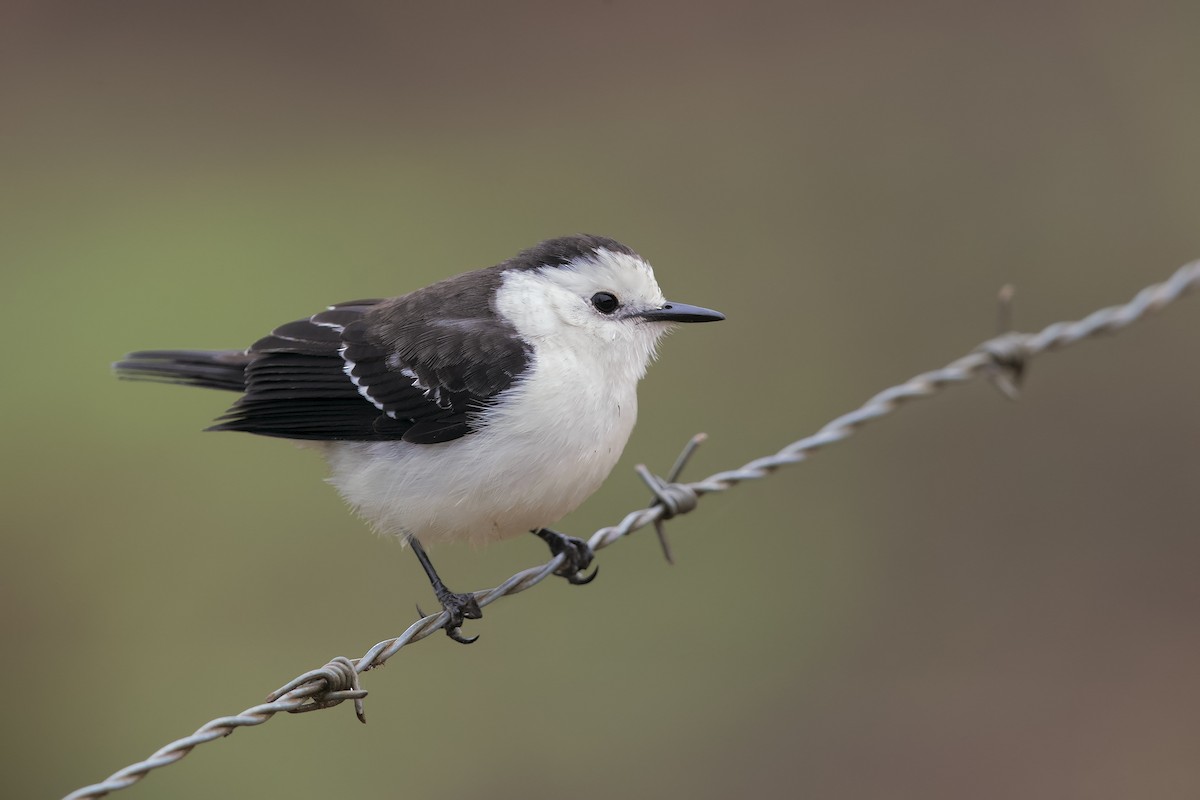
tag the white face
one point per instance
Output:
(574, 303)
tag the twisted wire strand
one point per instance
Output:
(1002, 358)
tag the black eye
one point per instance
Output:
(605, 302)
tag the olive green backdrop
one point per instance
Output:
(973, 598)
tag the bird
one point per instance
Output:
(478, 408)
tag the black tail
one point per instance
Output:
(212, 369)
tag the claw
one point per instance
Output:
(579, 579)
(459, 607)
(577, 556)
(454, 634)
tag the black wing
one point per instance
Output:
(411, 368)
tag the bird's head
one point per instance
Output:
(593, 294)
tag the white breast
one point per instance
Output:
(549, 443)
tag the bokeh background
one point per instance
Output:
(974, 598)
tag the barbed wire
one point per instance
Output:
(1002, 358)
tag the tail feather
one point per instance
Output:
(211, 369)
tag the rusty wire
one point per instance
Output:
(1003, 359)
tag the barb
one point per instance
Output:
(674, 498)
(1007, 354)
(338, 681)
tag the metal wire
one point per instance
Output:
(1003, 359)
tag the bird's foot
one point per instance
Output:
(457, 606)
(577, 556)
(460, 607)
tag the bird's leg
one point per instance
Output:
(577, 555)
(459, 606)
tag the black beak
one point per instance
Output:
(681, 312)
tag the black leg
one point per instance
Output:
(460, 606)
(578, 555)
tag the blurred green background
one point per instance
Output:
(974, 598)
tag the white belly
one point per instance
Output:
(537, 460)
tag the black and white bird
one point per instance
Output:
(483, 406)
